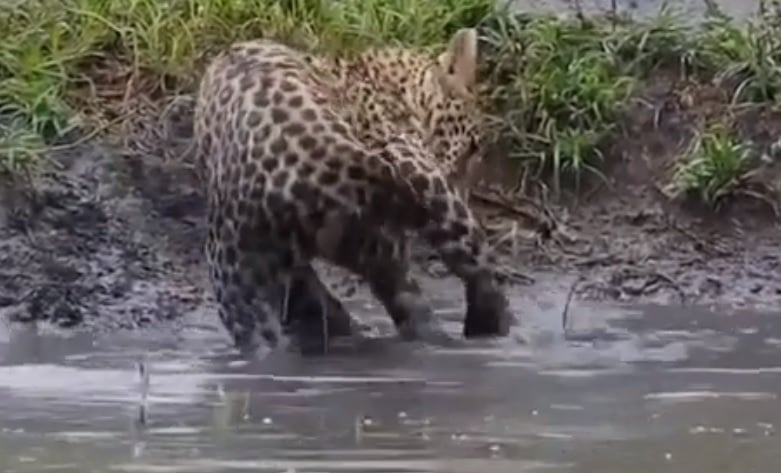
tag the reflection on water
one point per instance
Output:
(654, 390)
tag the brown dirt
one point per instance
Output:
(108, 238)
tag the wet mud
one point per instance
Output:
(100, 238)
(626, 239)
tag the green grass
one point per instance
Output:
(562, 86)
(46, 45)
(746, 58)
(558, 89)
(716, 166)
(559, 86)
(20, 147)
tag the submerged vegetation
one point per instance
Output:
(560, 86)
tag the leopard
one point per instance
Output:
(293, 172)
(393, 90)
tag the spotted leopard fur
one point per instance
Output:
(293, 171)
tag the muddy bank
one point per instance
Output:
(628, 239)
(97, 237)
(105, 238)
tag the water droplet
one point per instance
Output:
(668, 456)
(138, 449)
(698, 430)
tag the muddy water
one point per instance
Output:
(643, 390)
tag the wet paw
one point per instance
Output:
(341, 324)
(419, 322)
(311, 339)
(488, 313)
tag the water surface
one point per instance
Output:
(642, 390)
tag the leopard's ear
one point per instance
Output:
(459, 61)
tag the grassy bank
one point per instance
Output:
(563, 88)
(51, 49)
(566, 90)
